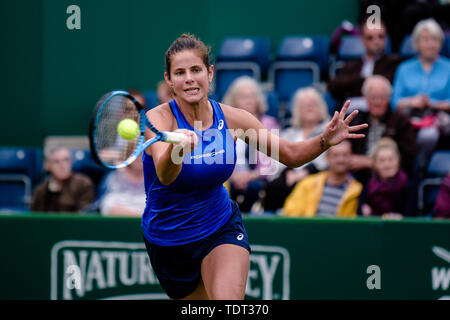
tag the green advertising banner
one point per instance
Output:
(91, 257)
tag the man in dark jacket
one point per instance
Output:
(64, 191)
(383, 122)
(349, 79)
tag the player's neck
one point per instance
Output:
(197, 112)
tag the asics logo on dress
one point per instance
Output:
(220, 126)
(240, 236)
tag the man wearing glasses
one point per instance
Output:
(349, 79)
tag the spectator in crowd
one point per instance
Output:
(123, 191)
(332, 193)
(383, 122)
(386, 193)
(442, 206)
(422, 89)
(139, 96)
(401, 16)
(252, 167)
(309, 117)
(348, 82)
(64, 190)
(163, 92)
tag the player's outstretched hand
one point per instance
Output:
(339, 129)
(189, 143)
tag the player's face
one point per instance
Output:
(189, 76)
(386, 163)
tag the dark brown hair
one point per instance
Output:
(187, 42)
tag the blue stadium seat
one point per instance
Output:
(351, 47)
(22, 160)
(253, 49)
(299, 62)
(15, 193)
(429, 187)
(305, 48)
(272, 104)
(240, 56)
(227, 72)
(445, 51)
(331, 102)
(406, 47)
(439, 164)
(428, 192)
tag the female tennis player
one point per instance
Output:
(193, 232)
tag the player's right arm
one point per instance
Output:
(165, 154)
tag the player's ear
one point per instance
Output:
(167, 78)
(211, 73)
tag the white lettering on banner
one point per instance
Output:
(86, 269)
(73, 277)
(100, 265)
(269, 268)
(440, 276)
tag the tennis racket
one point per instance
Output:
(108, 148)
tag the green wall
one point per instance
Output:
(291, 259)
(54, 75)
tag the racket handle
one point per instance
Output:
(174, 137)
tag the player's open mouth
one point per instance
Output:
(192, 91)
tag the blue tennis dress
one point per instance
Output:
(196, 204)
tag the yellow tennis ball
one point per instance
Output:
(128, 129)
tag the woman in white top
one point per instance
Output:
(124, 193)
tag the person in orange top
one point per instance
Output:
(332, 193)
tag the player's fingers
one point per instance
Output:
(335, 119)
(344, 109)
(356, 136)
(358, 127)
(351, 117)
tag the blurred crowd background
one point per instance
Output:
(292, 78)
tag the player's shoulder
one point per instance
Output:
(234, 116)
(161, 114)
(162, 109)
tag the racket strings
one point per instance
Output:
(111, 147)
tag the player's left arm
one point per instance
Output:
(292, 154)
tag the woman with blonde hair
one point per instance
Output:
(309, 118)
